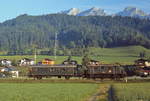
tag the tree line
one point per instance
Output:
(30, 32)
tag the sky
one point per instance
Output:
(12, 8)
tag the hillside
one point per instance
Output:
(131, 51)
(28, 32)
(123, 55)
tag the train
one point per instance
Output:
(72, 69)
(90, 70)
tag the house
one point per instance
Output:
(26, 62)
(48, 62)
(5, 62)
(93, 62)
(70, 62)
(142, 63)
(9, 72)
(15, 73)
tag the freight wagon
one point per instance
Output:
(59, 71)
(105, 71)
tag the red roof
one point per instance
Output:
(46, 59)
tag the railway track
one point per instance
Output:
(72, 80)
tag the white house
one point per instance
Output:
(147, 63)
(26, 62)
(11, 70)
(142, 62)
(5, 62)
(15, 73)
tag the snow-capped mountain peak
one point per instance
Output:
(93, 12)
(72, 11)
(128, 11)
(132, 12)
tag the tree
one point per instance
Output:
(69, 58)
(14, 62)
(71, 45)
(85, 60)
(142, 54)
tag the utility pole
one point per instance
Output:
(35, 56)
(55, 46)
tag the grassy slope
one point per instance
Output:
(124, 55)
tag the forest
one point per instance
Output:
(24, 33)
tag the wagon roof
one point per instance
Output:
(54, 66)
(104, 65)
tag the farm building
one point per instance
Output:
(48, 62)
(142, 62)
(26, 62)
(71, 62)
(5, 62)
(9, 72)
(93, 62)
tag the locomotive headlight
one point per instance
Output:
(145, 73)
(109, 71)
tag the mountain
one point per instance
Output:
(72, 11)
(27, 32)
(127, 12)
(133, 12)
(92, 12)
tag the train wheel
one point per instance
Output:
(39, 77)
(59, 76)
(94, 78)
(67, 77)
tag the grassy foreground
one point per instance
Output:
(46, 92)
(73, 91)
(132, 92)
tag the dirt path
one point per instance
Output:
(94, 97)
(111, 94)
(101, 94)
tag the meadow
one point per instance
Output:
(132, 92)
(122, 55)
(46, 91)
(69, 91)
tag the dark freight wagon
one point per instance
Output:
(59, 71)
(105, 71)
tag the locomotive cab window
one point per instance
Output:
(103, 69)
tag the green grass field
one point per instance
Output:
(46, 91)
(79, 91)
(123, 55)
(132, 92)
(73, 91)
